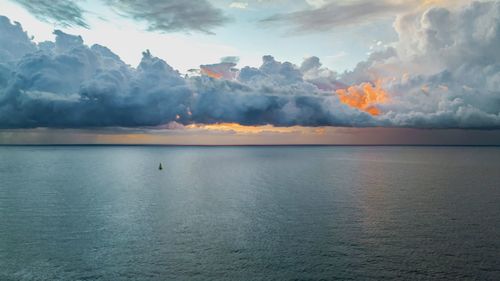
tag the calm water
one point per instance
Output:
(249, 213)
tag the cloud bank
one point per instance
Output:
(444, 72)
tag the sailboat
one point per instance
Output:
(160, 168)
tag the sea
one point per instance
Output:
(249, 213)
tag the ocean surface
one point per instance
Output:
(249, 213)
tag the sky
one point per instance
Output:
(250, 72)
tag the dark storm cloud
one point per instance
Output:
(63, 12)
(337, 14)
(158, 15)
(172, 15)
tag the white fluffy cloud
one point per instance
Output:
(444, 71)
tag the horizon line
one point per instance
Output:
(262, 145)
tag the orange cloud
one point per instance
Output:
(210, 73)
(243, 129)
(364, 97)
(224, 70)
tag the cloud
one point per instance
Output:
(63, 12)
(158, 15)
(221, 101)
(238, 5)
(316, 3)
(276, 93)
(326, 15)
(69, 85)
(322, 77)
(66, 84)
(224, 70)
(443, 72)
(233, 59)
(14, 42)
(172, 15)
